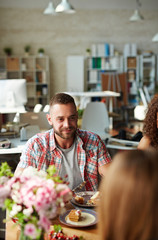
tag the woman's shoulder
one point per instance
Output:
(144, 143)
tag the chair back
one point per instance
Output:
(96, 119)
(46, 108)
(37, 108)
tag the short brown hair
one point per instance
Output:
(61, 98)
(129, 197)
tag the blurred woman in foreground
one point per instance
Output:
(129, 197)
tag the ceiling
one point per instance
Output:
(82, 4)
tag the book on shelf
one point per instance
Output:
(96, 62)
(94, 50)
(93, 76)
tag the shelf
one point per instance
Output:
(34, 69)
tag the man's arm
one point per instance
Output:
(103, 169)
(18, 171)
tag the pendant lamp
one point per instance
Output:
(50, 10)
(65, 7)
(155, 38)
(136, 15)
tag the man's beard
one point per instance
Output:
(65, 135)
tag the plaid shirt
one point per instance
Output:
(41, 151)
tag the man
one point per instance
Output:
(79, 154)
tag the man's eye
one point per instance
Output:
(73, 118)
(60, 119)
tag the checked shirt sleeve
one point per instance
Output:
(103, 155)
(32, 154)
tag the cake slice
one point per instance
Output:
(74, 215)
(94, 199)
(79, 199)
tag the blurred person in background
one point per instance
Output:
(150, 127)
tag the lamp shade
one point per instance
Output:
(155, 38)
(136, 16)
(50, 9)
(65, 6)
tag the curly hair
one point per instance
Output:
(150, 122)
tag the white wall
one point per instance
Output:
(65, 35)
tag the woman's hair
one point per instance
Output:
(128, 207)
(150, 122)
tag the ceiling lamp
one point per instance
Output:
(137, 16)
(155, 38)
(50, 10)
(65, 6)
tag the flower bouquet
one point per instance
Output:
(33, 199)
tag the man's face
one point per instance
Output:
(63, 118)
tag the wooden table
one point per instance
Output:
(88, 233)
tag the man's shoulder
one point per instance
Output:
(84, 134)
(41, 137)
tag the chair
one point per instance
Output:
(95, 119)
(37, 108)
(46, 108)
(140, 110)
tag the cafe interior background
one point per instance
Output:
(23, 23)
(128, 28)
(95, 21)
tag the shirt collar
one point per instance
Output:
(53, 145)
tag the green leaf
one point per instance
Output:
(81, 238)
(57, 228)
(51, 170)
(5, 170)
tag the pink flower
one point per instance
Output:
(44, 222)
(64, 192)
(30, 231)
(4, 193)
(36, 198)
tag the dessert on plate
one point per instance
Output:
(94, 199)
(79, 199)
(74, 215)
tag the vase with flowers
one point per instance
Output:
(33, 199)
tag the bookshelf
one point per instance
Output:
(35, 69)
(98, 65)
(148, 72)
(132, 69)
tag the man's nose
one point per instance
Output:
(66, 123)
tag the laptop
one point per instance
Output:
(38, 119)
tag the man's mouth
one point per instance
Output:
(67, 130)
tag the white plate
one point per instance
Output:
(86, 195)
(88, 218)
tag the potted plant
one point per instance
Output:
(27, 50)
(88, 51)
(8, 51)
(41, 51)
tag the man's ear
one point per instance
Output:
(157, 120)
(49, 119)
